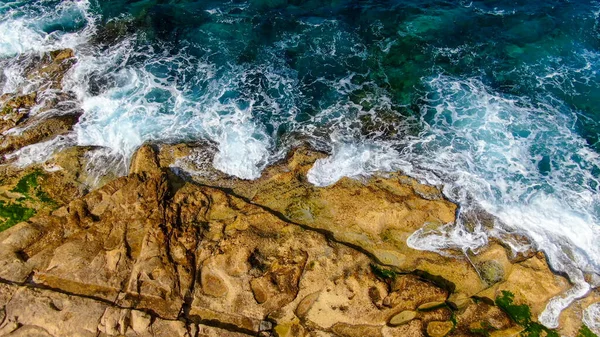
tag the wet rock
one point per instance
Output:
(491, 272)
(15, 109)
(511, 332)
(531, 282)
(49, 69)
(38, 131)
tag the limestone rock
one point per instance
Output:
(413, 328)
(50, 68)
(410, 292)
(157, 255)
(511, 332)
(140, 321)
(177, 248)
(531, 282)
(39, 130)
(54, 313)
(377, 219)
(482, 316)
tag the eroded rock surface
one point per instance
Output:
(152, 254)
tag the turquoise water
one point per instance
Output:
(496, 102)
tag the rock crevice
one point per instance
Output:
(159, 256)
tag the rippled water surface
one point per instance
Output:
(498, 102)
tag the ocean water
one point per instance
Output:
(496, 102)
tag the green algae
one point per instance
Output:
(32, 199)
(383, 273)
(584, 331)
(13, 213)
(27, 183)
(521, 314)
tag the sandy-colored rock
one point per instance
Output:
(259, 289)
(482, 316)
(290, 330)
(439, 329)
(569, 322)
(403, 317)
(212, 283)
(15, 109)
(39, 130)
(140, 321)
(177, 248)
(377, 219)
(145, 161)
(348, 330)
(410, 292)
(306, 303)
(160, 255)
(531, 282)
(38, 115)
(49, 69)
(56, 314)
(511, 332)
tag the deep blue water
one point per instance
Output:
(497, 102)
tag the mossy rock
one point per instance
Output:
(13, 213)
(31, 200)
(491, 271)
(14, 104)
(301, 211)
(521, 314)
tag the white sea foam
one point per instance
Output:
(136, 103)
(25, 33)
(522, 163)
(241, 153)
(16, 38)
(354, 161)
(591, 317)
(514, 159)
(40, 152)
(13, 78)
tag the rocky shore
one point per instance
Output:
(173, 249)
